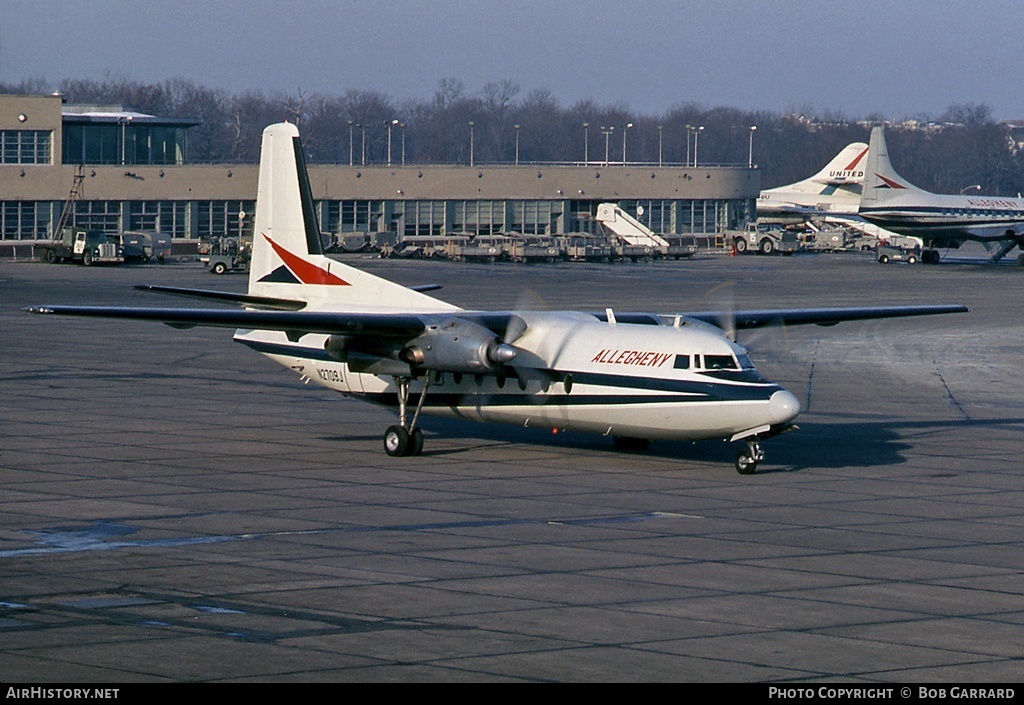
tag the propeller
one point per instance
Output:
(724, 293)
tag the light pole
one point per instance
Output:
(351, 153)
(750, 150)
(402, 125)
(660, 142)
(696, 134)
(689, 133)
(625, 128)
(390, 125)
(607, 132)
(471, 126)
(362, 129)
(965, 189)
(516, 128)
(125, 122)
(586, 143)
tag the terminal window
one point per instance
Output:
(25, 146)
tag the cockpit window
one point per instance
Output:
(719, 362)
(745, 362)
(682, 362)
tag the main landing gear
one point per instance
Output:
(405, 438)
(747, 460)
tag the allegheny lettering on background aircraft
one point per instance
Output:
(940, 221)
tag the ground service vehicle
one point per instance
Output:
(85, 246)
(144, 246)
(896, 253)
(766, 241)
(227, 254)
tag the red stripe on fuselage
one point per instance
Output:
(306, 272)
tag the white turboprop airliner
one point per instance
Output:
(833, 190)
(890, 201)
(633, 376)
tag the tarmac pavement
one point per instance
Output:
(175, 507)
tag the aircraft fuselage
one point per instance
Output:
(951, 219)
(575, 372)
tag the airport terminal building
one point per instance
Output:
(125, 170)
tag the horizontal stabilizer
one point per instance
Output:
(265, 302)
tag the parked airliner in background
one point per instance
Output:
(891, 202)
(631, 376)
(833, 190)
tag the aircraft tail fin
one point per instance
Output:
(847, 167)
(288, 260)
(881, 182)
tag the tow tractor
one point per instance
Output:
(227, 254)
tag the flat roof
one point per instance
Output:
(115, 114)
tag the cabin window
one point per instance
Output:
(682, 362)
(719, 362)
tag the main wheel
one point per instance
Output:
(415, 442)
(396, 441)
(745, 465)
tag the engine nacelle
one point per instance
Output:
(337, 346)
(457, 345)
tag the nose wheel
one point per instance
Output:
(405, 438)
(747, 460)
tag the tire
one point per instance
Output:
(766, 247)
(51, 256)
(87, 259)
(219, 268)
(1020, 260)
(396, 441)
(884, 259)
(911, 260)
(745, 465)
(415, 443)
(740, 244)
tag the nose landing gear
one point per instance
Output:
(747, 460)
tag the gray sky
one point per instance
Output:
(857, 57)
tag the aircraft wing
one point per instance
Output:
(411, 324)
(390, 324)
(385, 325)
(742, 320)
